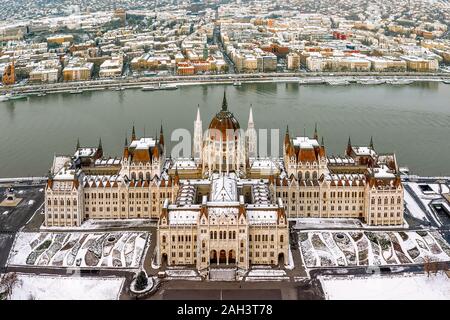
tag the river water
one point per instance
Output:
(412, 120)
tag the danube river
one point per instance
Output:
(412, 120)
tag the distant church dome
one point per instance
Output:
(223, 121)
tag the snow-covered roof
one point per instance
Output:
(364, 151)
(305, 143)
(383, 172)
(183, 217)
(85, 152)
(224, 188)
(109, 162)
(262, 217)
(143, 143)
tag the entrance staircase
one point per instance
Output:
(222, 274)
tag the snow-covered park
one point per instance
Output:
(404, 287)
(79, 249)
(46, 287)
(371, 248)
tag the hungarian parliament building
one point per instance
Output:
(225, 204)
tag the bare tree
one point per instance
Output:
(7, 282)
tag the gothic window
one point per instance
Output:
(307, 175)
(314, 175)
(281, 238)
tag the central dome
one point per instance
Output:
(224, 121)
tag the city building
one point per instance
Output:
(225, 204)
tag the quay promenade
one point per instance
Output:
(138, 82)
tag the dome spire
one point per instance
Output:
(224, 101)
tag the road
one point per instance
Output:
(12, 219)
(132, 82)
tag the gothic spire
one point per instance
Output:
(78, 143)
(161, 135)
(100, 147)
(349, 147)
(126, 141)
(321, 142)
(224, 102)
(371, 143)
(316, 136)
(133, 133)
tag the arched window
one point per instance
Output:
(141, 176)
(163, 239)
(399, 200)
(385, 200)
(379, 200)
(215, 234)
(307, 175)
(300, 176)
(314, 175)
(133, 176)
(230, 235)
(281, 238)
(147, 176)
(234, 234)
(211, 235)
(68, 202)
(392, 200)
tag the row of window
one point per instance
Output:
(131, 195)
(67, 202)
(222, 235)
(264, 237)
(62, 216)
(386, 200)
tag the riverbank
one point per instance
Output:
(226, 79)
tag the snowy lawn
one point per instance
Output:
(325, 223)
(66, 288)
(405, 287)
(370, 248)
(99, 249)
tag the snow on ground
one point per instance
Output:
(119, 249)
(369, 248)
(414, 209)
(425, 198)
(93, 224)
(66, 288)
(325, 223)
(404, 287)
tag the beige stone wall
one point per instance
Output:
(63, 208)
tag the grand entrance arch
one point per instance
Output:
(281, 259)
(213, 257)
(164, 260)
(222, 257)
